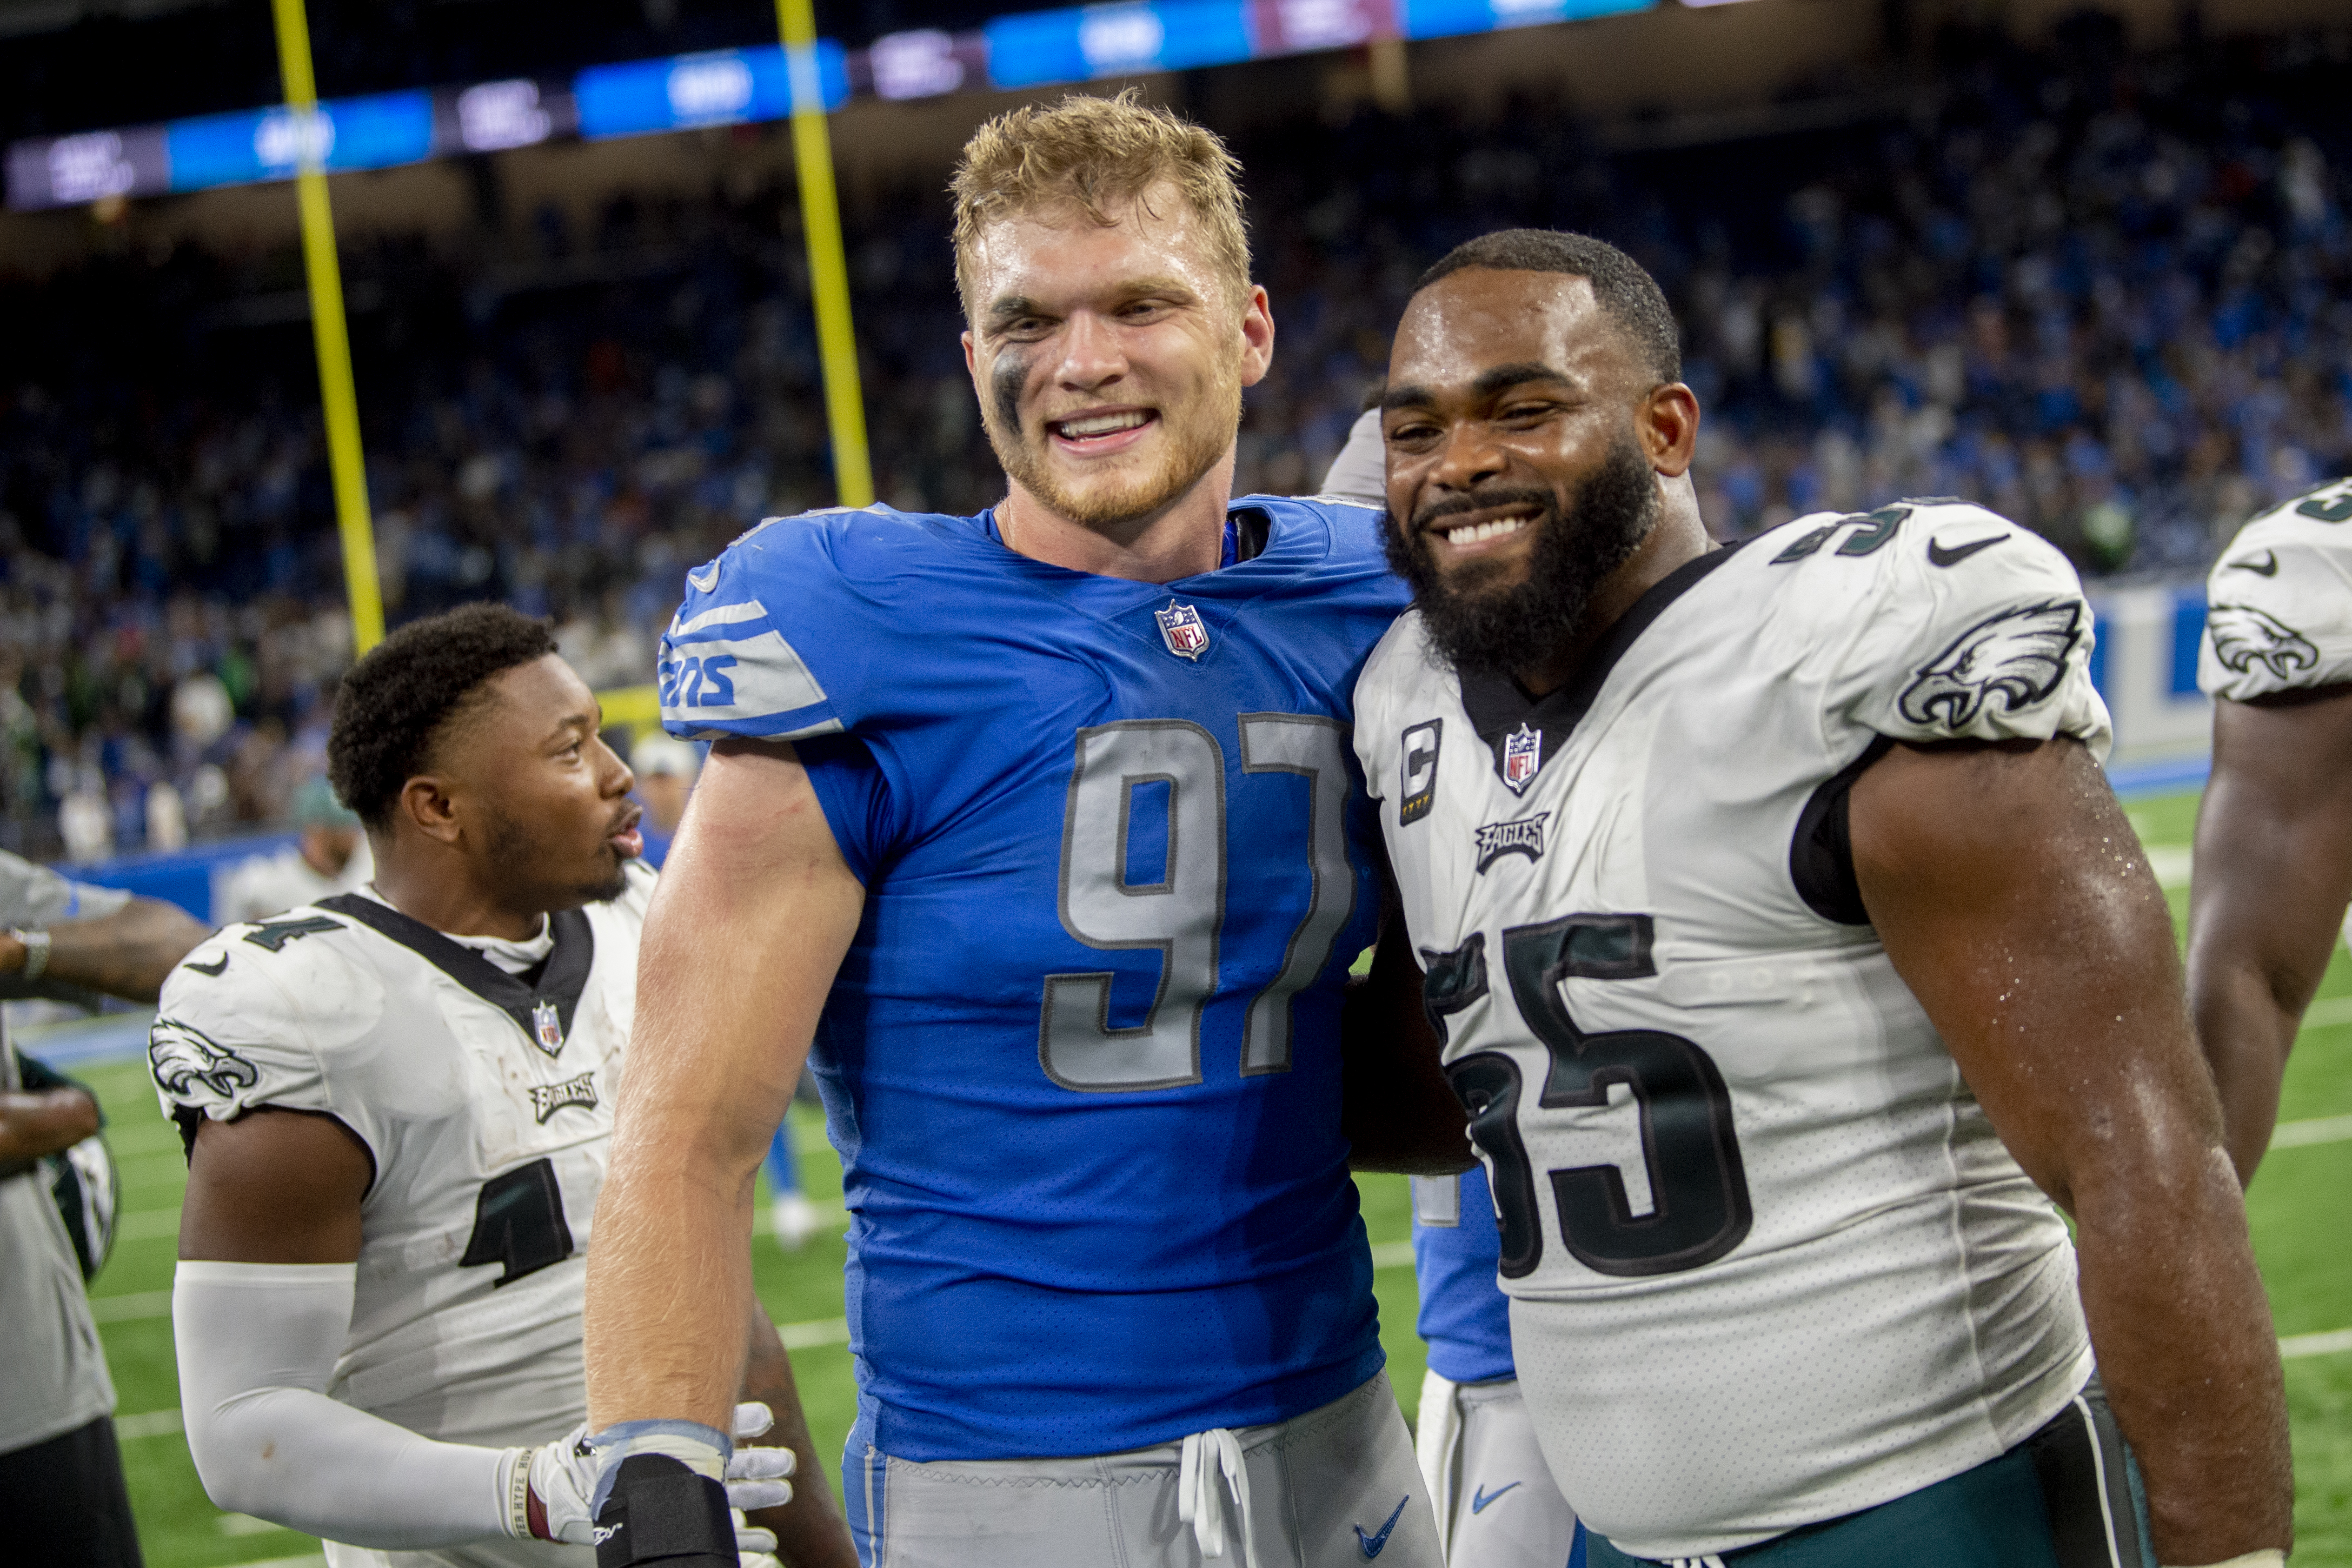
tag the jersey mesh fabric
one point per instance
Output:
(1086, 1246)
(1464, 1317)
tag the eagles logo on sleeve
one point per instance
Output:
(183, 1057)
(2018, 656)
(2245, 637)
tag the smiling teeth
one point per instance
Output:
(1478, 530)
(1100, 424)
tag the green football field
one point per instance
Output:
(2299, 1205)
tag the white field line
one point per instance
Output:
(2317, 1129)
(2326, 1014)
(2330, 1343)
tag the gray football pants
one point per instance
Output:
(1497, 1506)
(1330, 1489)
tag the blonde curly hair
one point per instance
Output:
(1097, 154)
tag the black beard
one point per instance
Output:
(1480, 631)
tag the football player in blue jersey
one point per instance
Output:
(1039, 833)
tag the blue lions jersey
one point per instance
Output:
(1466, 1319)
(1082, 1060)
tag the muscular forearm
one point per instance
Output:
(127, 954)
(2246, 1032)
(809, 1531)
(673, 1238)
(2166, 1262)
(32, 1125)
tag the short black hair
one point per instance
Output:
(1623, 286)
(403, 692)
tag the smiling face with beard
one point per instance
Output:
(1483, 617)
(1531, 447)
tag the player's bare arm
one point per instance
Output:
(275, 1186)
(126, 953)
(2051, 977)
(42, 1122)
(755, 909)
(1399, 1114)
(2273, 875)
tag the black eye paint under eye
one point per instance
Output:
(1009, 374)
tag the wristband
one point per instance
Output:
(37, 951)
(519, 1498)
(2268, 1557)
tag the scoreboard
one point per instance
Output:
(1025, 49)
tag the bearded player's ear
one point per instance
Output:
(1667, 422)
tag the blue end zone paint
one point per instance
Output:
(2170, 775)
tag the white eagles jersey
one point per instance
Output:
(485, 1103)
(1769, 1262)
(2279, 603)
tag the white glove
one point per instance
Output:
(563, 1476)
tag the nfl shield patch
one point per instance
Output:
(1181, 629)
(547, 1027)
(1522, 755)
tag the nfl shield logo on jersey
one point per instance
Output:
(1522, 755)
(1181, 629)
(547, 1025)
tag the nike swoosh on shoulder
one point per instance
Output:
(1941, 556)
(1482, 1497)
(704, 578)
(1373, 1543)
(2265, 565)
(214, 970)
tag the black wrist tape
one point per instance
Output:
(661, 1512)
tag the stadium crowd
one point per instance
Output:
(2110, 298)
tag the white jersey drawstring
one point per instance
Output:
(1196, 1491)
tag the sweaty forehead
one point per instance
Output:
(1475, 320)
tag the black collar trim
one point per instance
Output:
(1496, 706)
(561, 980)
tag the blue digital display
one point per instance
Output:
(728, 86)
(1078, 45)
(724, 87)
(1452, 18)
(375, 132)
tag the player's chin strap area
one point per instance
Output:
(1197, 1503)
(661, 1498)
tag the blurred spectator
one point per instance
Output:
(331, 856)
(2108, 295)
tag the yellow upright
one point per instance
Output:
(328, 330)
(845, 404)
